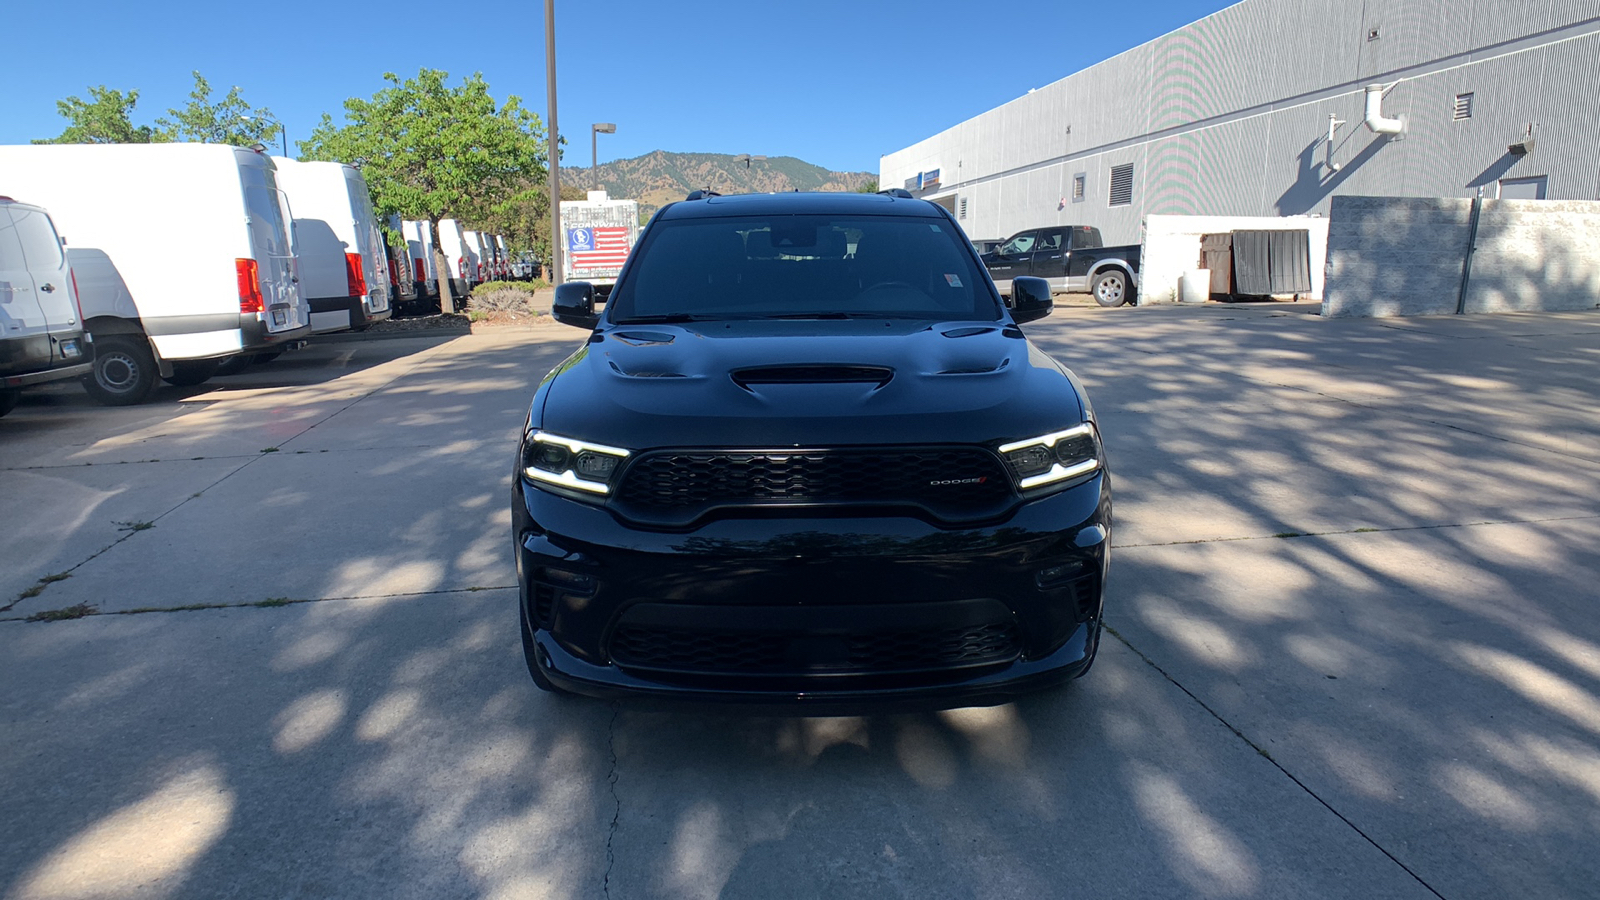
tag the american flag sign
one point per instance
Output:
(607, 248)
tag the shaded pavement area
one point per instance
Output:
(1356, 653)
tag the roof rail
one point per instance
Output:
(898, 193)
(701, 195)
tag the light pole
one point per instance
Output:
(595, 131)
(746, 159)
(555, 149)
(284, 132)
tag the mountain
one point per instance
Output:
(661, 177)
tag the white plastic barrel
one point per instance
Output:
(1195, 286)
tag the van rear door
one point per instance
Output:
(267, 214)
(24, 336)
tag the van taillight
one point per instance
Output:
(354, 277)
(422, 274)
(394, 275)
(249, 286)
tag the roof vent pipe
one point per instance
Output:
(1375, 119)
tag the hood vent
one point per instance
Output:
(812, 374)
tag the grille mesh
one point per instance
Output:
(951, 483)
(775, 653)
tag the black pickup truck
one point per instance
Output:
(1071, 258)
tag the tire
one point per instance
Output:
(190, 372)
(1110, 288)
(530, 656)
(8, 399)
(124, 370)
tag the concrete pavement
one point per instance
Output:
(1356, 654)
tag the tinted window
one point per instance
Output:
(804, 265)
(40, 244)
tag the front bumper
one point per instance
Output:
(585, 577)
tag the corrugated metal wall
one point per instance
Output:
(1229, 115)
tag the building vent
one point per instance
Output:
(963, 208)
(1463, 106)
(1079, 182)
(1121, 185)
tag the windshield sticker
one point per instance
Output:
(955, 280)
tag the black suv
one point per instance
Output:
(807, 455)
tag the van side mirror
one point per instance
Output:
(1030, 299)
(574, 305)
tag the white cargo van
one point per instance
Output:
(462, 257)
(182, 252)
(478, 255)
(41, 329)
(343, 272)
(419, 241)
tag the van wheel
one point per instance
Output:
(8, 399)
(124, 370)
(190, 372)
(1110, 288)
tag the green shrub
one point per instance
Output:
(489, 287)
(502, 299)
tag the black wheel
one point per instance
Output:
(124, 370)
(8, 399)
(190, 372)
(1110, 288)
(530, 655)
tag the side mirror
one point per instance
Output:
(1030, 299)
(574, 305)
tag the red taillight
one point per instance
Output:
(422, 274)
(250, 300)
(354, 277)
(394, 275)
(461, 264)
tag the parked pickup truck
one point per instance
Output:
(1071, 258)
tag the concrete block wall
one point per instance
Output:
(1536, 255)
(1404, 256)
(1395, 256)
(1172, 247)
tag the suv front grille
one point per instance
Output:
(677, 487)
(710, 652)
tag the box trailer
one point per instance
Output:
(600, 233)
(344, 272)
(183, 255)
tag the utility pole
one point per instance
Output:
(595, 131)
(556, 237)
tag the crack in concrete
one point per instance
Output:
(616, 801)
(269, 603)
(1289, 535)
(1275, 764)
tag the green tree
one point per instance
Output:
(230, 120)
(105, 118)
(870, 187)
(431, 151)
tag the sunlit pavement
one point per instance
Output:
(1357, 647)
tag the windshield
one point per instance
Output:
(803, 267)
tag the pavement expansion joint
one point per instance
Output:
(616, 802)
(127, 462)
(1285, 535)
(1275, 764)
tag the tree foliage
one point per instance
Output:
(105, 118)
(230, 120)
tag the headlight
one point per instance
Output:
(1052, 458)
(568, 463)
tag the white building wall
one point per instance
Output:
(1229, 115)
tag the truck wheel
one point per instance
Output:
(8, 399)
(124, 370)
(1110, 288)
(190, 372)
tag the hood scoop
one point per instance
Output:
(812, 374)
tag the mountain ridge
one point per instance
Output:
(662, 176)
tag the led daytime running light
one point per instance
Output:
(577, 446)
(1058, 472)
(569, 478)
(1049, 440)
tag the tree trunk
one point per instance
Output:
(442, 270)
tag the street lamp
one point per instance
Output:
(746, 158)
(595, 131)
(556, 237)
(284, 132)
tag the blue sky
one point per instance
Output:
(834, 83)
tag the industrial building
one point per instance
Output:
(1272, 107)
